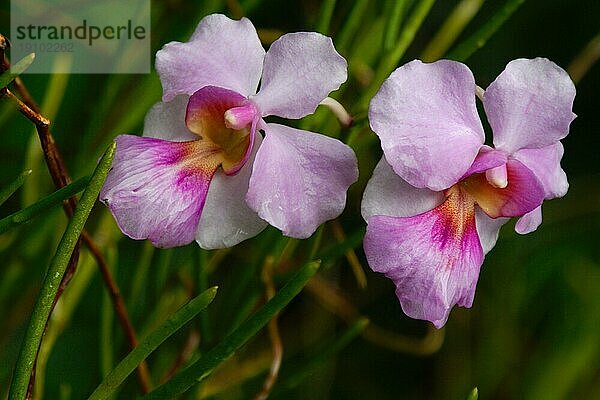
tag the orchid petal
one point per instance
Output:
(433, 258)
(156, 189)
(523, 193)
(166, 120)
(300, 70)
(426, 118)
(488, 229)
(529, 105)
(388, 194)
(545, 164)
(226, 219)
(300, 179)
(529, 222)
(221, 52)
(487, 158)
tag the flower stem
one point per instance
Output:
(52, 280)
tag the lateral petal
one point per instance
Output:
(300, 179)
(156, 189)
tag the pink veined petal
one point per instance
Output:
(523, 193)
(529, 105)
(388, 194)
(545, 164)
(221, 52)
(205, 116)
(529, 222)
(426, 118)
(166, 120)
(300, 70)
(226, 219)
(156, 189)
(433, 258)
(488, 229)
(299, 179)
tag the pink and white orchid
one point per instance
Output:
(436, 201)
(203, 170)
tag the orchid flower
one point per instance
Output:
(438, 197)
(203, 170)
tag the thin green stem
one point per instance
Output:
(230, 344)
(325, 16)
(56, 270)
(479, 38)
(38, 208)
(118, 375)
(13, 186)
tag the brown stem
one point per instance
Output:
(60, 176)
(267, 278)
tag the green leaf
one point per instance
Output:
(56, 270)
(116, 377)
(14, 186)
(479, 38)
(16, 70)
(38, 208)
(474, 395)
(230, 344)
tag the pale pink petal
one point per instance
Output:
(529, 105)
(433, 258)
(529, 222)
(156, 189)
(426, 118)
(488, 229)
(486, 158)
(166, 120)
(300, 179)
(300, 70)
(545, 164)
(222, 52)
(523, 193)
(388, 194)
(226, 219)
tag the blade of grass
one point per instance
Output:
(327, 8)
(464, 50)
(393, 24)
(351, 24)
(16, 70)
(116, 377)
(13, 186)
(56, 270)
(462, 14)
(53, 200)
(474, 395)
(230, 344)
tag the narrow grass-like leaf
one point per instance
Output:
(479, 38)
(16, 70)
(38, 208)
(351, 24)
(474, 395)
(326, 13)
(230, 344)
(56, 270)
(13, 186)
(398, 8)
(116, 377)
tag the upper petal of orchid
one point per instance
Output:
(433, 258)
(300, 179)
(388, 194)
(226, 219)
(523, 193)
(300, 70)
(166, 120)
(545, 164)
(529, 105)
(426, 118)
(221, 52)
(156, 189)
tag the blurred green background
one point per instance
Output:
(534, 329)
